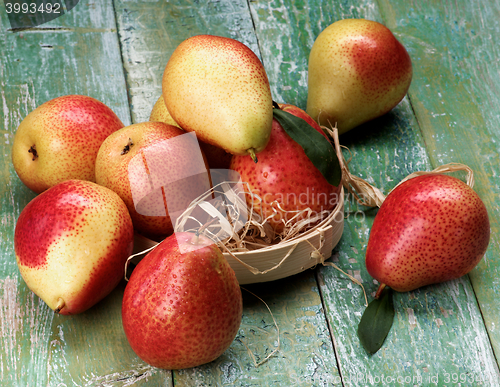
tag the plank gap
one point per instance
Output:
(125, 72)
(483, 319)
(320, 283)
(255, 29)
(40, 29)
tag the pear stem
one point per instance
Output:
(379, 290)
(60, 305)
(196, 236)
(252, 154)
(32, 150)
(127, 147)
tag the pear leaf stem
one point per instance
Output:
(380, 290)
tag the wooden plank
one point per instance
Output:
(77, 53)
(456, 96)
(305, 352)
(149, 33)
(384, 151)
(289, 29)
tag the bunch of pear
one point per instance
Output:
(99, 182)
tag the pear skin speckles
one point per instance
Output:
(218, 87)
(430, 229)
(66, 133)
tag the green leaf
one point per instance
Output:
(376, 322)
(316, 146)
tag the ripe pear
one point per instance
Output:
(182, 306)
(157, 169)
(217, 158)
(357, 71)
(285, 179)
(59, 141)
(71, 244)
(429, 229)
(218, 87)
(160, 113)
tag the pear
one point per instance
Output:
(357, 71)
(159, 113)
(71, 244)
(429, 229)
(182, 306)
(218, 88)
(157, 169)
(217, 158)
(59, 140)
(285, 179)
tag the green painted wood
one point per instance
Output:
(150, 31)
(456, 98)
(439, 336)
(438, 333)
(305, 355)
(77, 53)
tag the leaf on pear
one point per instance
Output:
(376, 322)
(316, 146)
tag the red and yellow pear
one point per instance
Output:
(71, 244)
(429, 229)
(60, 139)
(182, 306)
(357, 71)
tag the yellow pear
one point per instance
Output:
(357, 71)
(160, 113)
(218, 88)
(217, 157)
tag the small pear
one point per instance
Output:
(357, 71)
(218, 88)
(217, 158)
(159, 113)
(429, 229)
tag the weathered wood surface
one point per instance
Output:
(76, 54)
(116, 51)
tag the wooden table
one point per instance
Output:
(115, 51)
